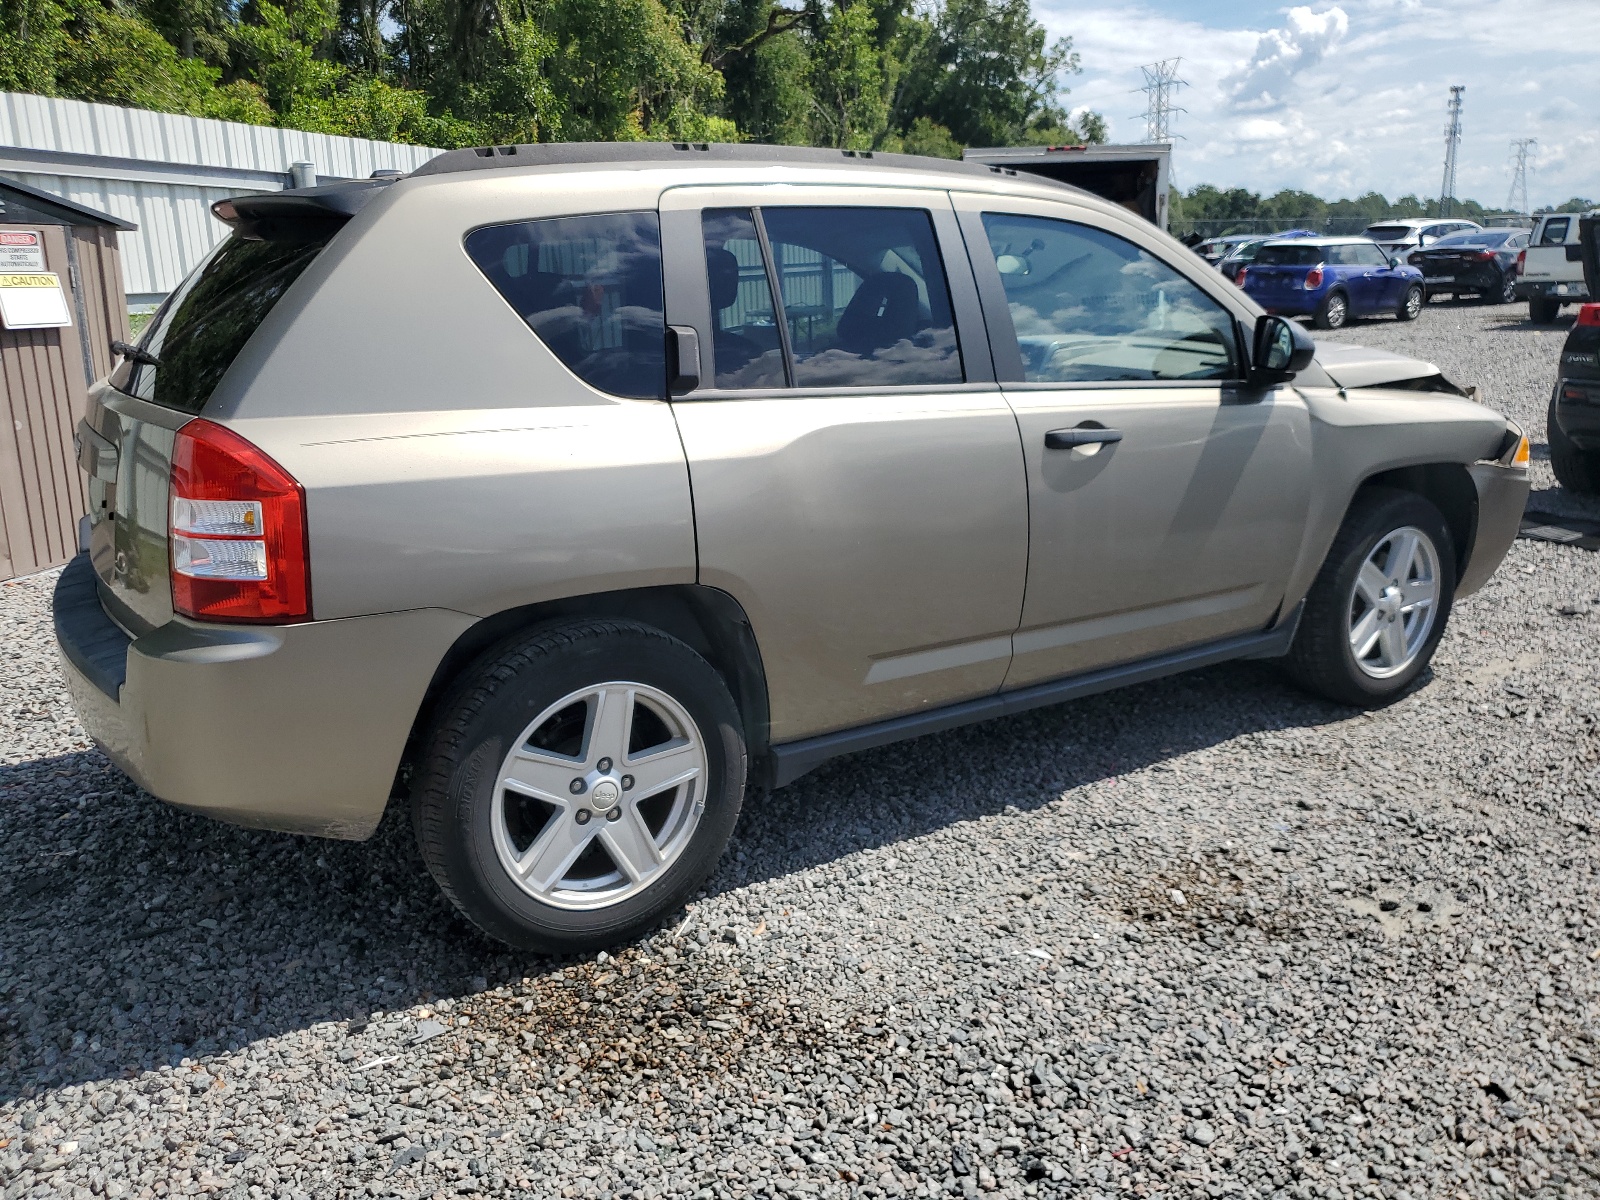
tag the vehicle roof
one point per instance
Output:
(1352, 240)
(1415, 222)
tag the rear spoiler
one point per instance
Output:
(298, 212)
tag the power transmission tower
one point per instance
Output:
(1517, 201)
(1161, 84)
(1452, 139)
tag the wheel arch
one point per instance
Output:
(1448, 487)
(708, 620)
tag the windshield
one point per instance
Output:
(1388, 233)
(200, 328)
(1290, 256)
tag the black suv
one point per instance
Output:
(1575, 406)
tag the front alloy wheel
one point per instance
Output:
(1393, 603)
(1411, 305)
(1378, 607)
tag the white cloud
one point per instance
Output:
(1281, 54)
(1360, 111)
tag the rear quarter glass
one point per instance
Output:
(202, 326)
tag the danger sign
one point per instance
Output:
(21, 250)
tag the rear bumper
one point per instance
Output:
(1565, 291)
(1502, 496)
(1579, 418)
(298, 728)
(1479, 279)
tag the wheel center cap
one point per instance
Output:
(603, 795)
(1389, 603)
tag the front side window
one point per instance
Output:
(862, 298)
(590, 287)
(1089, 306)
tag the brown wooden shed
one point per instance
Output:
(45, 372)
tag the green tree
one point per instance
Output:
(850, 78)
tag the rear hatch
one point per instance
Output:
(127, 435)
(1279, 272)
(1393, 238)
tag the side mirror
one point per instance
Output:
(1394, 262)
(1280, 351)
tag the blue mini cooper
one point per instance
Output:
(1332, 280)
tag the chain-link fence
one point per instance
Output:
(1327, 226)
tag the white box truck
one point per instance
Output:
(1135, 177)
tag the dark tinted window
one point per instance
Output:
(1290, 256)
(747, 351)
(201, 327)
(864, 296)
(1088, 305)
(1388, 233)
(590, 287)
(1476, 237)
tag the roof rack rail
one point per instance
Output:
(562, 154)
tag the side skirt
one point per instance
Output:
(789, 761)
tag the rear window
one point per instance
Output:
(590, 288)
(1388, 233)
(1289, 256)
(1476, 237)
(200, 328)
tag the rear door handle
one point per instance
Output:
(1066, 439)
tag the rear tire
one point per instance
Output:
(1543, 312)
(1411, 303)
(540, 830)
(1576, 470)
(1333, 312)
(1503, 292)
(1332, 655)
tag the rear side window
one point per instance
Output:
(1090, 306)
(1290, 256)
(862, 298)
(201, 327)
(1554, 232)
(590, 288)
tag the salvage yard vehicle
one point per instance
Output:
(1574, 422)
(1398, 238)
(567, 491)
(1331, 280)
(1483, 264)
(1550, 270)
(1233, 263)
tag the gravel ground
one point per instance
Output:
(1201, 938)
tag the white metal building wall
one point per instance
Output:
(164, 172)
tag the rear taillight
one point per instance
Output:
(1522, 261)
(1483, 256)
(238, 531)
(1313, 279)
(1238, 278)
(1415, 260)
(1589, 314)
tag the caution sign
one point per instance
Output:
(33, 301)
(21, 250)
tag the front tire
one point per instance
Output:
(580, 783)
(1576, 470)
(1503, 292)
(1378, 607)
(1411, 303)
(1333, 312)
(1543, 312)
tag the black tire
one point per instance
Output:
(1542, 311)
(1504, 290)
(1410, 306)
(1333, 312)
(485, 714)
(1576, 470)
(1320, 660)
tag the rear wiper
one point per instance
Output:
(133, 354)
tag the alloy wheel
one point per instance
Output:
(599, 796)
(1414, 302)
(1338, 310)
(1394, 602)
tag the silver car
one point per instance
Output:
(566, 493)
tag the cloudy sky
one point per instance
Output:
(1339, 98)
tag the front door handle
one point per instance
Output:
(1066, 439)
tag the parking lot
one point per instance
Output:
(1204, 937)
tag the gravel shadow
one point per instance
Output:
(136, 935)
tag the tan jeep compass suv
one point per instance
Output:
(570, 490)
